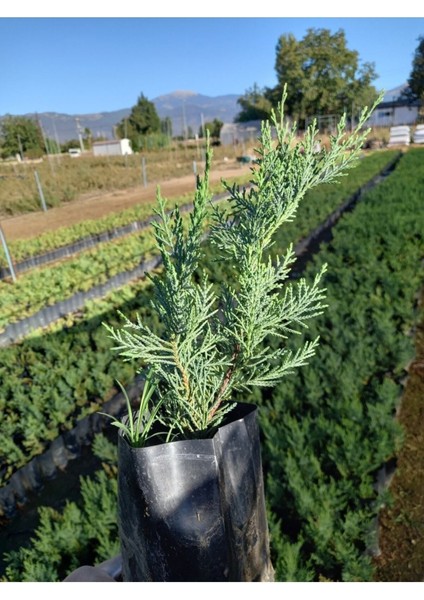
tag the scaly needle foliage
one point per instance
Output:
(217, 343)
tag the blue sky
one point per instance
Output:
(82, 65)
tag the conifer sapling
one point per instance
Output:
(216, 343)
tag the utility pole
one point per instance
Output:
(56, 138)
(184, 122)
(46, 146)
(79, 134)
(143, 168)
(203, 125)
(8, 257)
(21, 150)
(40, 191)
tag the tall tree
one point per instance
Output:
(289, 65)
(142, 121)
(214, 127)
(166, 126)
(322, 74)
(88, 137)
(21, 135)
(254, 105)
(416, 78)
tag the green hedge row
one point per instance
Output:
(330, 429)
(46, 286)
(52, 240)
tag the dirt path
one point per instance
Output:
(92, 207)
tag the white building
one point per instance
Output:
(112, 148)
(394, 110)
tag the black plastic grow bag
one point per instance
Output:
(194, 510)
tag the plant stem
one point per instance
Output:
(227, 378)
(181, 369)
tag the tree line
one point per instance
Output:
(323, 77)
(24, 136)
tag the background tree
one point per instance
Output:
(52, 146)
(166, 126)
(322, 74)
(21, 135)
(142, 121)
(255, 106)
(289, 69)
(416, 78)
(88, 138)
(214, 127)
(65, 146)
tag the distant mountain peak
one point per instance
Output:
(180, 94)
(186, 109)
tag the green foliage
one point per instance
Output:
(287, 559)
(322, 74)
(64, 373)
(70, 144)
(21, 135)
(52, 146)
(92, 267)
(142, 121)
(62, 236)
(341, 409)
(87, 138)
(51, 381)
(255, 106)
(166, 127)
(216, 344)
(138, 430)
(83, 533)
(105, 450)
(328, 433)
(214, 127)
(153, 141)
(416, 77)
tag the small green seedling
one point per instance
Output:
(137, 429)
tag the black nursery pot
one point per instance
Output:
(194, 510)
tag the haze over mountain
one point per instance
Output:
(185, 109)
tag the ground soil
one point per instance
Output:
(402, 521)
(94, 206)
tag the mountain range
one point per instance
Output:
(185, 109)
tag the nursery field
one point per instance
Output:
(44, 395)
(64, 180)
(86, 211)
(86, 268)
(330, 432)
